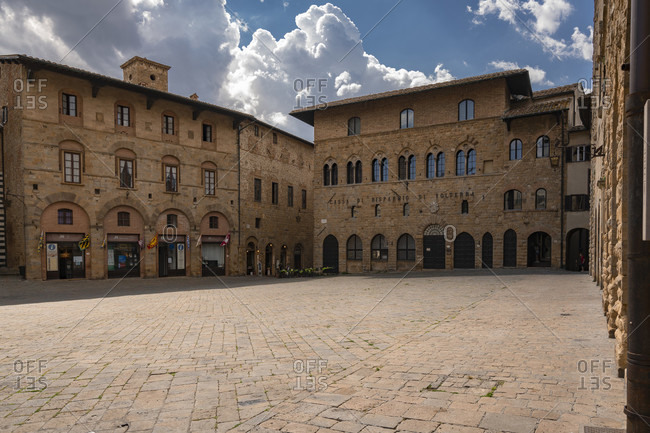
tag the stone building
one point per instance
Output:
(464, 174)
(152, 183)
(609, 166)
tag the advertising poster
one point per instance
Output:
(52, 257)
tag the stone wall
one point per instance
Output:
(608, 214)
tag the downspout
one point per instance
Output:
(637, 408)
(562, 210)
(239, 129)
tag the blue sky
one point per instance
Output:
(249, 54)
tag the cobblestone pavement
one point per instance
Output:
(444, 352)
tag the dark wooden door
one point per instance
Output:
(434, 252)
(510, 249)
(331, 254)
(464, 252)
(486, 252)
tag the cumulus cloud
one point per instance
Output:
(537, 75)
(322, 59)
(540, 21)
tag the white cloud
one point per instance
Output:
(537, 75)
(321, 60)
(538, 20)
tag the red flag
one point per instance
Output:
(226, 240)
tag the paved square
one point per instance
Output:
(444, 352)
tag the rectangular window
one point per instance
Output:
(65, 216)
(123, 116)
(72, 167)
(214, 222)
(275, 138)
(207, 133)
(304, 199)
(577, 203)
(290, 196)
(172, 220)
(258, 222)
(209, 178)
(123, 219)
(126, 173)
(579, 153)
(258, 190)
(69, 104)
(171, 178)
(257, 130)
(274, 193)
(168, 125)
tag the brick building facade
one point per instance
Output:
(124, 165)
(464, 174)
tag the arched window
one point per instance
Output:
(355, 248)
(376, 172)
(358, 178)
(406, 210)
(335, 174)
(460, 163)
(540, 199)
(406, 119)
(326, 175)
(171, 173)
(350, 171)
(466, 110)
(384, 170)
(401, 168)
(471, 162)
(440, 165)
(406, 248)
(464, 207)
(512, 200)
(377, 210)
(431, 166)
(411, 167)
(515, 149)
(379, 248)
(543, 147)
(354, 126)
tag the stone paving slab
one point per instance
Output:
(460, 352)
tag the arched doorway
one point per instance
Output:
(464, 251)
(486, 251)
(433, 245)
(283, 257)
(297, 257)
(268, 260)
(124, 235)
(539, 250)
(577, 242)
(250, 258)
(510, 249)
(331, 254)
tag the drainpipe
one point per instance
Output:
(562, 166)
(638, 257)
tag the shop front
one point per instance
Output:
(64, 258)
(123, 257)
(172, 257)
(213, 255)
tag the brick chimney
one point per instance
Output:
(139, 70)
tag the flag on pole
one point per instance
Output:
(104, 241)
(198, 241)
(226, 240)
(85, 242)
(153, 242)
(41, 242)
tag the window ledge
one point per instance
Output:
(172, 192)
(73, 183)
